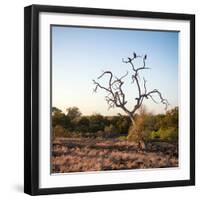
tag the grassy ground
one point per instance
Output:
(82, 154)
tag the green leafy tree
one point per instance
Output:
(56, 110)
(58, 117)
(82, 124)
(73, 113)
(96, 123)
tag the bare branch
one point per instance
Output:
(98, 85)
(135, 56)
(162, 100)
(129, 61)
(116, 97)
(153, 99)
(145, 88)
(119, 80)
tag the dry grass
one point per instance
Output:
(81, 154)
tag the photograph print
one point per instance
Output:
(114, 99)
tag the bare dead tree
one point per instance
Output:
(116, 97)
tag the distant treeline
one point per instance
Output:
(74, 124)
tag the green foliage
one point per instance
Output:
(82, 124)
(96, 123)
(59, 131)
(73, 113)
(154, 135)
(54, 109)
(122, 124)
(110, 131)
(123, 138)
(168, 126)
(134, 134)
(59, 118)
(146, 126)
(170, 134)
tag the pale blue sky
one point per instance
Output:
(80, 54)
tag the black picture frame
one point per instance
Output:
(31, 98)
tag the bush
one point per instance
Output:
(81, 124)
(144, 125)
(123, 138)
(59, 131)
(122, 124)
(110, 131)
(96, 123)
(133, 134)
(170, 134)
(154, 135)
(99, 134)
(148, 126)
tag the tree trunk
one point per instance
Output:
(132, 119)
(141, 143)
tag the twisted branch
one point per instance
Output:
(115, 95)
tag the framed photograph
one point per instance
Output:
(109, 99)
